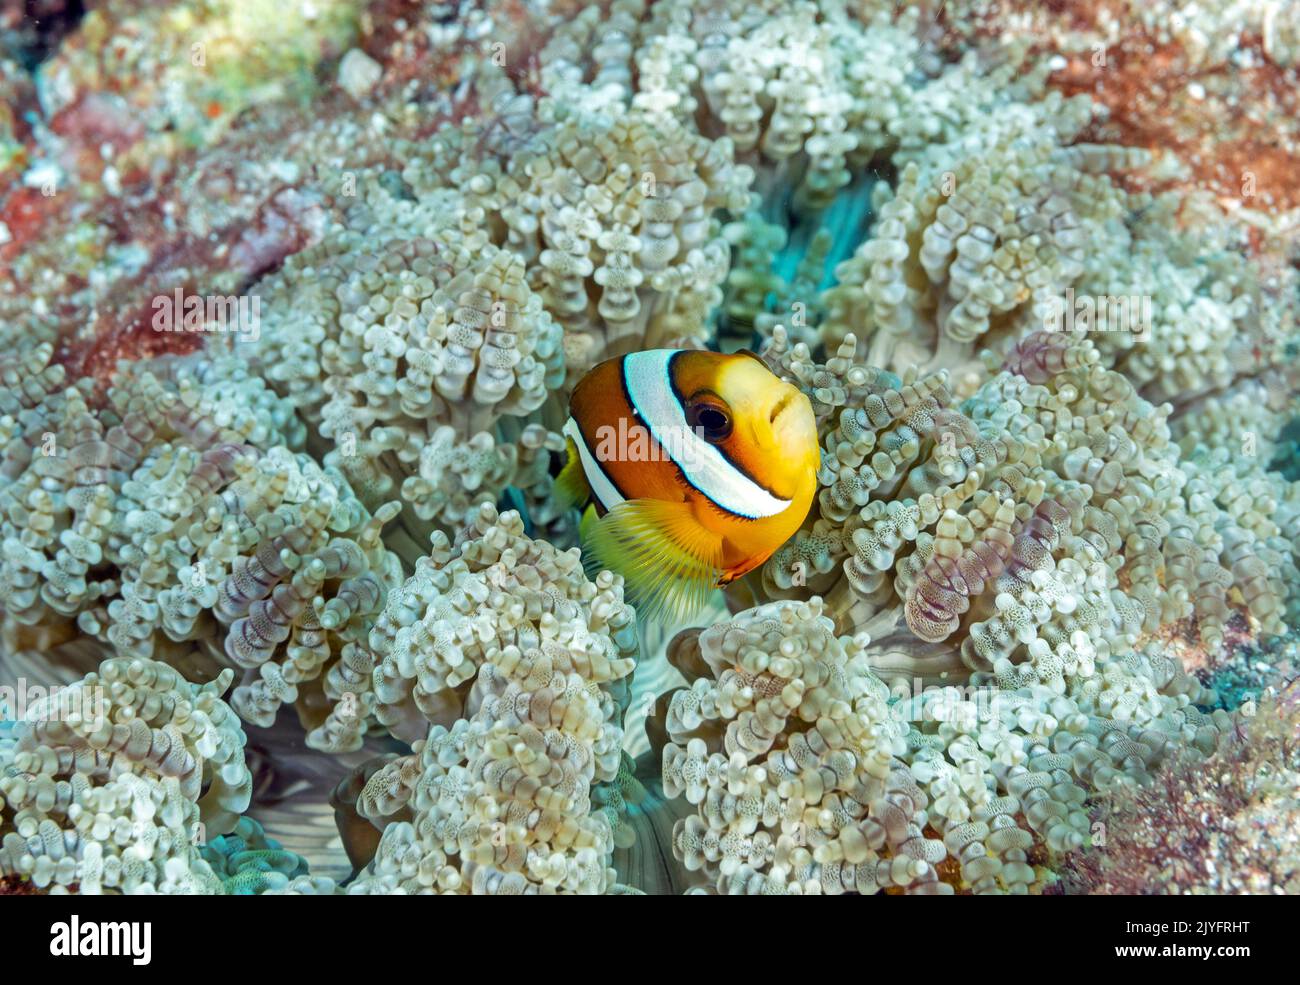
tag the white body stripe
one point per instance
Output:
(646, 375)
(601, 487)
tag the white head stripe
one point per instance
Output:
(649, 386)
(601, 487)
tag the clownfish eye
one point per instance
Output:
(709, 419)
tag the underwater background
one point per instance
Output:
(293, 297)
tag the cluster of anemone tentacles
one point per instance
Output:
(928, 689)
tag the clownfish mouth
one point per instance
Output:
(782, 405)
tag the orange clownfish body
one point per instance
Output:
(698, 466)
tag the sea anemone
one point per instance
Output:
(289, 336)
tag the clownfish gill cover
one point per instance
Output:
(691, 446)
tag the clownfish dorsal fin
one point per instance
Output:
(571, 486)
(670, 563)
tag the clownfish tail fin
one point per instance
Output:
(670, 564)
(571, 487)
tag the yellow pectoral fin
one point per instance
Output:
(571, 486)
(669, 563)
(589, 520)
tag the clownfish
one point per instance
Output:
(697, 466)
